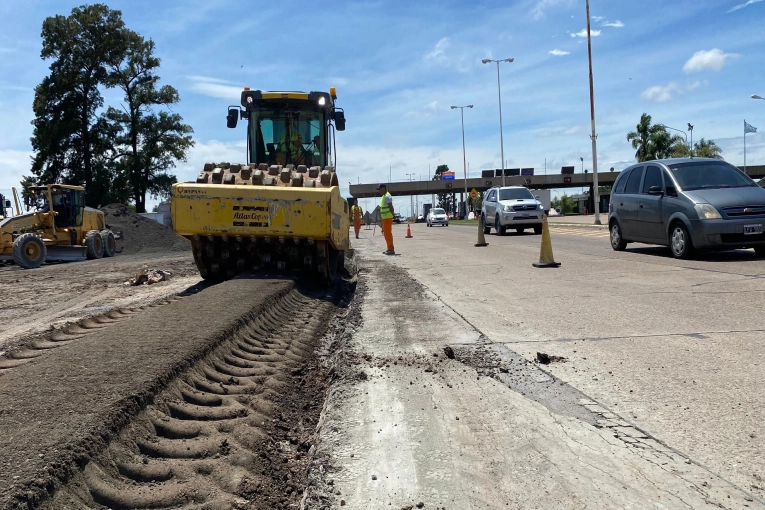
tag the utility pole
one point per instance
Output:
(594, 137)
(411, 197)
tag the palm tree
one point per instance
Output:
(654, 141)
(707, 149)
(640, 138)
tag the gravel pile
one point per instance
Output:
(141, 234)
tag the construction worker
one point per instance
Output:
(356, 215)
(291, 147)
(386, 213)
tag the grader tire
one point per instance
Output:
(29, 251)
(94, 244)
(110, 244)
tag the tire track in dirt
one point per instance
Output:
(217, 437)
(36, 346)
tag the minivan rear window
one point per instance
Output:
(633, 183)
(709, 174)
(621, 182)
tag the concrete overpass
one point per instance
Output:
(549, 181)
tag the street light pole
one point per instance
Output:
(499, 95)
(678, 130)
(464, 159)
(594, 137)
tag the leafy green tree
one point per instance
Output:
(446, 201)
(702, 149)
(148, 142)
(27, 198)
(566, 203)
(707, 149)
(70, 139)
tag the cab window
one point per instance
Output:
(281, 137)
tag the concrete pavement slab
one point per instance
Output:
(699, 319)
(415, 426)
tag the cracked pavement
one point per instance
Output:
(491, 428)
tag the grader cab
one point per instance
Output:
(60, 228)
(283, 208)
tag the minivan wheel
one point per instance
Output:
(680, 241)
(617, 241)
(498, 226)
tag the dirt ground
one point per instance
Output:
(53, 296)
(173, 395)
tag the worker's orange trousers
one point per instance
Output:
(387, 228)
(356, 227)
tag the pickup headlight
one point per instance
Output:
(540, 207)
(507, 208)
(707, 212)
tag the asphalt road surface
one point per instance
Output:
(657, 401)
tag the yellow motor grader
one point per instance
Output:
(61, 228)
(283, 208)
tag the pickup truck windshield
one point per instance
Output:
(515, 194)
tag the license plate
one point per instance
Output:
(752, 229)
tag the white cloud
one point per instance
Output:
(439, 51)
(583, 33)
(598, 19)
(558, 53)
(615, 24)
(663, 93)
(214, 87)
(539, 10)
(15, 164)
(659, 93)
(745, 4)
(713, 60)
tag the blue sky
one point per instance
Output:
(399, 65)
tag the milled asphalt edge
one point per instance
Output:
(27, 494)
(600, 415)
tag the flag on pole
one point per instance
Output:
(748, 128)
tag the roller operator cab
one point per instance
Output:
(282, 208)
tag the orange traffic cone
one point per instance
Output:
(546, 258)
(408, 231)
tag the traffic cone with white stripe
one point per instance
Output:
(408, 231)
(546, 258)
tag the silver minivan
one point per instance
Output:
(687, 204)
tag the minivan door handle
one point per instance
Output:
(641, 206)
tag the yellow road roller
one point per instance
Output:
(282, 209)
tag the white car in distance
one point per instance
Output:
(437, 216)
